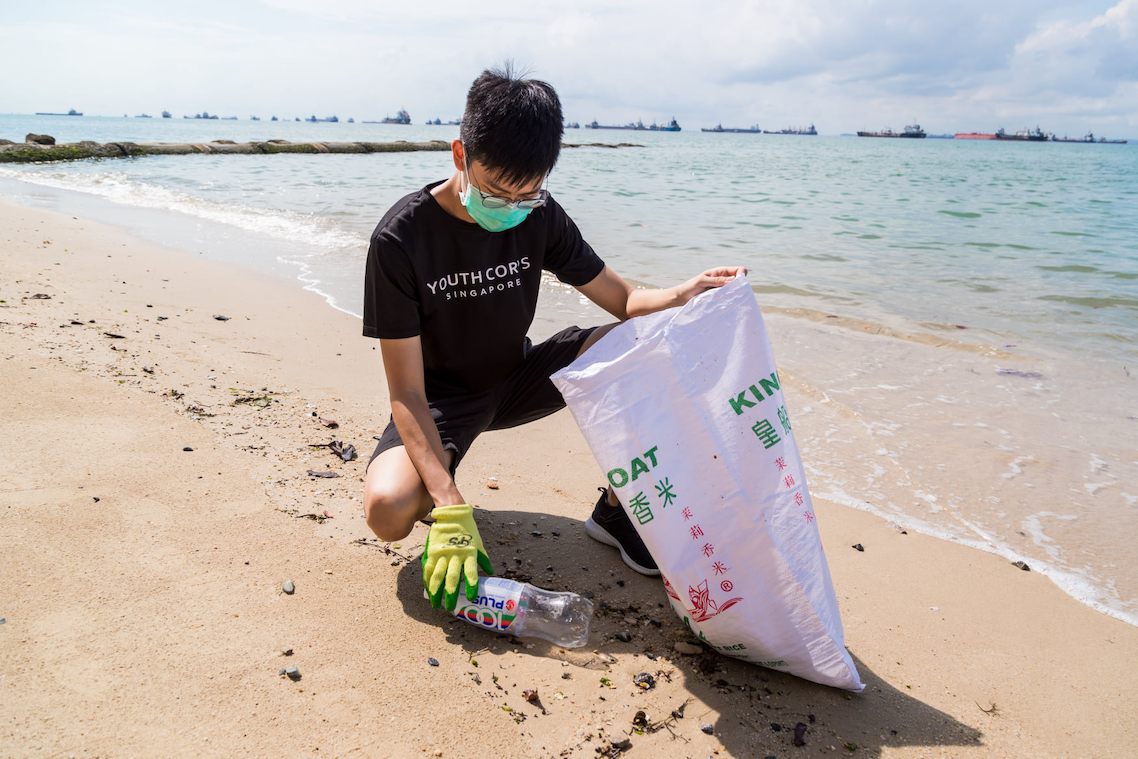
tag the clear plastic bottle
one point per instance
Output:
(525, 611)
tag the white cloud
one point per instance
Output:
(969, 64)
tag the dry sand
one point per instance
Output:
(140, 584)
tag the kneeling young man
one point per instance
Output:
(453, 274)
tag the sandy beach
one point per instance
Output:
(140, 582)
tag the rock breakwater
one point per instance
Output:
(30, 152)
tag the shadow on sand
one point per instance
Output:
(758, 708)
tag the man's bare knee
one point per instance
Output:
(389, 516)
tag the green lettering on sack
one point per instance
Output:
(618, 478)
(784, 418)
(641, 508)
(766, 433)
(741, 402)
(768, 384)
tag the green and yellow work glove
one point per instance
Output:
(453, 551)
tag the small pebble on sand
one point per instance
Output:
(288, 587)
(188, 448)
(293, 673)
(708, 728)
(624, 636)
(432, 661)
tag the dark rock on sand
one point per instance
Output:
(800, 734)
(859, 547)
(708, 728)
(624, 636)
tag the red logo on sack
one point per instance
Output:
(510, 605)
(705, 608)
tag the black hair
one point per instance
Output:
(512, 125)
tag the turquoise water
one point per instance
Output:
(1031, 244)
(1028, 248)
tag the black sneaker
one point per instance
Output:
(610, 525)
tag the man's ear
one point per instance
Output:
(456, 153)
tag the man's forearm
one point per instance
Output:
(641, 302)
(425, 448)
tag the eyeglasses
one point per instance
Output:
(494, 201)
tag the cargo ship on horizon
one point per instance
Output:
(719, 128)
(913, 131)
(1023, 135)
(795, 130)
(672, 126)
(1089, 138)
(402, 117)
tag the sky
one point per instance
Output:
(844, 65)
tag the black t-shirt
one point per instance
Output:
(468, 293)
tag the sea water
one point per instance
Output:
(1002, 412)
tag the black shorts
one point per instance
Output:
(526, 395)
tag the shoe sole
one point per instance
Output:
(601, 535)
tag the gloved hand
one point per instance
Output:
(454, 550)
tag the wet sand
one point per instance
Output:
(141, 582)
